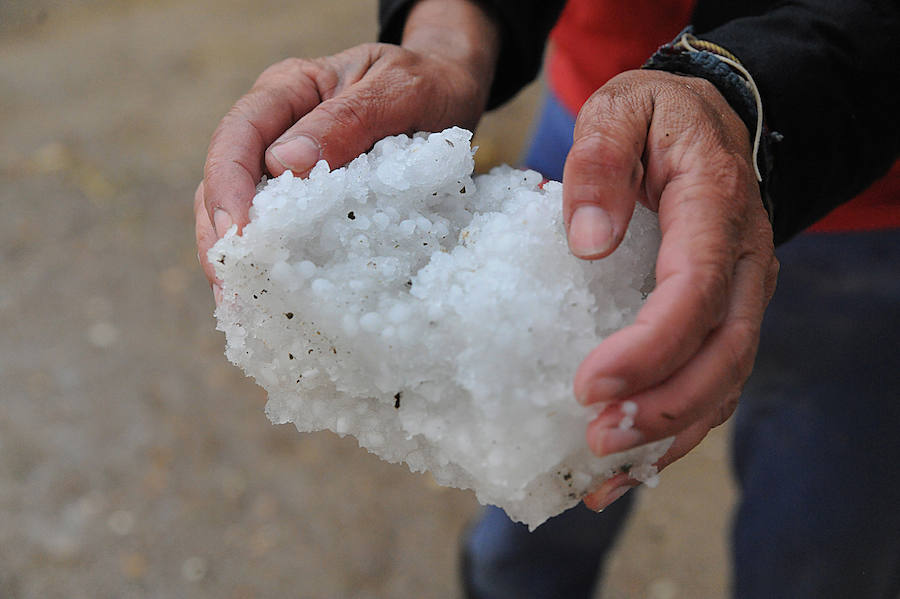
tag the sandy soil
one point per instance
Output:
(134, 460)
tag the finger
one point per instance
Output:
(234, 164)
(706, 389)
(603, 173)
(611, 490)
(337, 131)
(700, 240)
(205, 234)
(387, 99)
(616, 486)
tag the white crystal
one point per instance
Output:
(437, 318)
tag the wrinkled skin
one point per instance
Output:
(668, 141)
(342, 105)
(673, 143)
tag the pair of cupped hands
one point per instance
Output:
(668, 141)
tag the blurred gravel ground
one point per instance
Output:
(134, 460)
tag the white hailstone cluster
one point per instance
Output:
(437, 317)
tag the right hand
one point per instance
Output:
(334, 108)
(673, 143)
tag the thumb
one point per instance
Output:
(384, 95)
(603, 176)
(337, 130)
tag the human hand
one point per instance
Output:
(335, 108)
(673, 143)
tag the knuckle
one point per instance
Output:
(374, 49)
(354, 62)
(599, 152)
(388, 59)
(603, 101)
(626, 88)
(288, 75)
(616, 104)
(290, 69)
(347, 112)
(286, 69)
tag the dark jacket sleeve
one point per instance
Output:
(827, 71)
(524, 28)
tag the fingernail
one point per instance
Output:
(612, 496)
(613, 440)
(590, 231)
(222, 221)
(217, 293)
(298, 154)
(603, 389)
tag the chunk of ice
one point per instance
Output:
(448, 335)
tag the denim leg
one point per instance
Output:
(561, 559)
(817, 435)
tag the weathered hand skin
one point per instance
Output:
(674, 144)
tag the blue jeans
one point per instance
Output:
(816, 445)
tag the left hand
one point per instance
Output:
(673, 143)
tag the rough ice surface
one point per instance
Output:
(436, 317)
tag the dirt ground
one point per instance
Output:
(134, 460)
